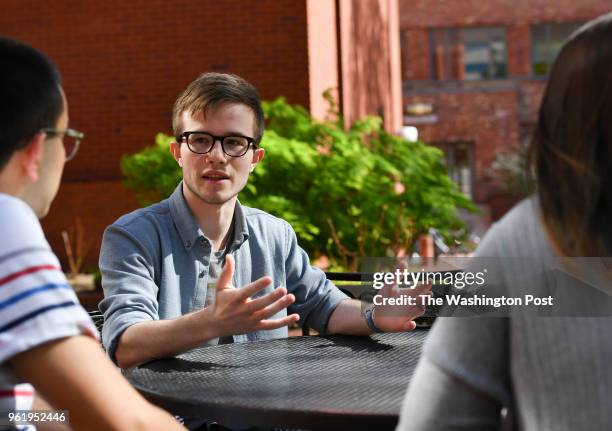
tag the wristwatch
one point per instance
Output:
(368, 315)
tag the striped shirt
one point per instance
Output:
(37, 304)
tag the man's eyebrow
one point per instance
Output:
(235, 133)
(229, 133)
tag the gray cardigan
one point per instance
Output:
(554, 373)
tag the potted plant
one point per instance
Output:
(77, 247)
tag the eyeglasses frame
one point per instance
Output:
(72, 133)
(184, 137)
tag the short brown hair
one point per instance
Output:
(571, 149)
(213, 89)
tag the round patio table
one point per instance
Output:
(314, 383)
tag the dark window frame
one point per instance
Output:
(548, 30)
(450, 151)
(455, 35)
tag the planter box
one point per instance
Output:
(82, 282)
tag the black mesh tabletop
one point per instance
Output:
(329, 382)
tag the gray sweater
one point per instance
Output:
(553, 373)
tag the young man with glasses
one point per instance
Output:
(169, 270)
(46, 338)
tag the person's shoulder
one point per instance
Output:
(14, 207)
(267, 227)
(520, 221)
(519, 232)
(523, 213)
(19, 226)
(255, 216)
(144, 218)
(141, 228)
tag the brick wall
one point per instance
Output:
(450, 13)
(488, 120)
(322, 54)
(519, 50)
(494, 115)
(96, 204)
(124, 63)
(418, 16)
(370, 60)
(416, 46)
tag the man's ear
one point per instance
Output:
(175, 150)
(258, 156)
(30, 156)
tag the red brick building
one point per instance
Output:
(473, 75)
(124, 63)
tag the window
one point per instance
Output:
(469, 53)
(546, 42)
(460, 164)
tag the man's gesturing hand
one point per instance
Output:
(398, 318)
(234, 312)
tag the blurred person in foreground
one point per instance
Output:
(47, 340)
(527, 371)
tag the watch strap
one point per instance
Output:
(368, 315)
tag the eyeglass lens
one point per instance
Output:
(202, 143)
(71, 146)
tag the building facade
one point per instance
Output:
(124, 64)
(473, 76)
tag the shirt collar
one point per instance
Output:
(241, 230)
(189, 230)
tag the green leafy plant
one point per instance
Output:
(152, 174)
(348, 193)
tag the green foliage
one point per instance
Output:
(347, 193)
(152, 173)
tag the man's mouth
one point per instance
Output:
(215, 176)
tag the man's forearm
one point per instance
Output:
(347, 319)
(73, 374)
(162, 338)
(41, 404)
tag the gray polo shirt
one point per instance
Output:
(155, 265)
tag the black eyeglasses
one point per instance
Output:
(71, 140)
(203, 142)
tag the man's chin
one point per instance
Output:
(215, 199)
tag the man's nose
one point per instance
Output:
(216, 154)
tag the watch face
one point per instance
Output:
(366, 309)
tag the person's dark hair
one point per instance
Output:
(30, 97)
(571, 149)
(212, 89)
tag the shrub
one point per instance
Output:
(347, 193)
